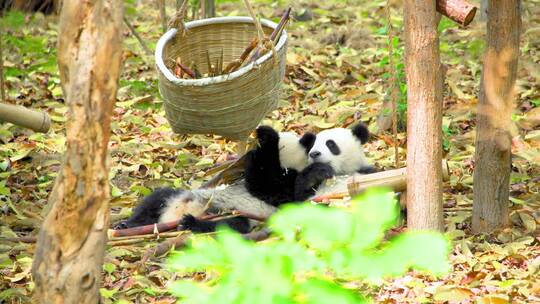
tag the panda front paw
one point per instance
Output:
(316, 173)
(310, 179)
(367, 170)
(267, 136)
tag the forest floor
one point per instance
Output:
(337, 74)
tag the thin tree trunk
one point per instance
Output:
(483, 10)
(424, 115)
(208, 8)
(493, 139)
(68, 260)
(2, 85)
(163, 14)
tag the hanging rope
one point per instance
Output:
(178, 20)
(393, 80)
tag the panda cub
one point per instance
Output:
(277, 171)
(271, 172)
(342, 149)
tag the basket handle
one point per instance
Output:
(264, 42)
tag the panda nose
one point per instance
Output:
(314, 154)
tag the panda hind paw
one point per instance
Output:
(187, 222)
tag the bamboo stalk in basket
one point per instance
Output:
(274, 37)
(209, 62)
(235, 64)
(186, 70)
(220, 66)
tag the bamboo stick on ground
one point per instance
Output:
(21, 116)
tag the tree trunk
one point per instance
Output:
(162, 14)
(69, 254)
(208, 8)
(493, 140)
(483, 10)
(424, 115)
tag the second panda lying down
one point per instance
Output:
(282, 169)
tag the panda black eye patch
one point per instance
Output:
(333, 147)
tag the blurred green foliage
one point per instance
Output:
(316, 248)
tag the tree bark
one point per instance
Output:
(68, 261)
(424, 115)
(493, 139)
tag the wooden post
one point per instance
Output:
(424, 115)
(69, 254)
(495, 106)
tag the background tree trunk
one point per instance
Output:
(68, 259)
(493, 140)
(208, 8)
(424, 115)
(483, 10)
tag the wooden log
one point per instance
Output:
(460, 11)
(394, 179)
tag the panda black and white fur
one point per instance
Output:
(168, 204)
(277, 171)
(342, 149)
(271, 172)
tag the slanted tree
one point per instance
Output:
(493, 139)
(424, 115)
(68, 260)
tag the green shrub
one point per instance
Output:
(315, 248)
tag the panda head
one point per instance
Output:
(342, 149)
(293, 151)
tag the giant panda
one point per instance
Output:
(277, 171)
(342, 149)
(271, 172)
(284, 168)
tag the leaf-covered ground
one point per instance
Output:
(337, 73)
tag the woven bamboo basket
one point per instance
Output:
(230, 105)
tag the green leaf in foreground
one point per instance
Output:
(314, 248)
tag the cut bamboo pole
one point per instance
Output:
(395, 179)
(27, 118)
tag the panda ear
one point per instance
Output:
(361, 132)
(308, 140)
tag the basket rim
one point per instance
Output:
(170, 34)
